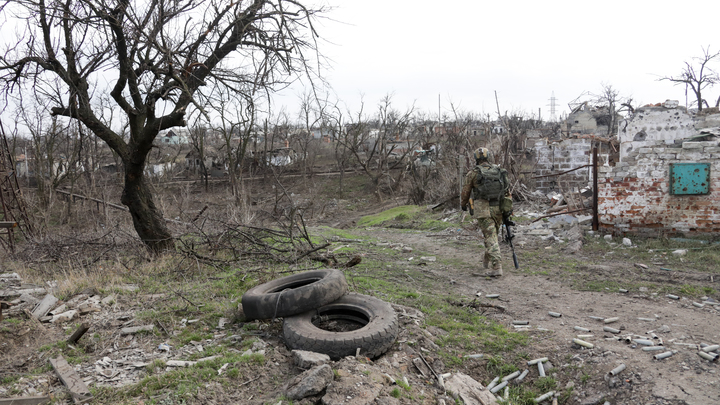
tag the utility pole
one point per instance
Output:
(438, 109)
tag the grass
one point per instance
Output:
(209, 291)
(404, 212)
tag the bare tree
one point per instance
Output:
(56, 150)
(381, 146)
(199, 134)
(698, 76)
(613, 105)
(234, 125)
(335, 125)
(157, 56)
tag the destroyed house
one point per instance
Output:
(667, 179)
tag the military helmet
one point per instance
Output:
(481, 154)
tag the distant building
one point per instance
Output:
(175, 136)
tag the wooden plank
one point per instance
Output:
(8, 224)
(72, 380)
(37, 400)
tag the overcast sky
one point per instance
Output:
(462, 51)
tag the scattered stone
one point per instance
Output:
(608, 238)
(641, 266)
(540, 232)
(387, 401)
(468, 390)
(305, 359)
(180, 363)
(626, 242)
(310, 382)
(85, 309)
(680, 252)
(594, 400)
(59, 310)
(352, 390)
(65, 316)
(614, 382)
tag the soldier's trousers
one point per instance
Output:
(490, 228)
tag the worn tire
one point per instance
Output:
(376, 336)
(294, 294)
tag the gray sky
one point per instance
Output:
(463, 51)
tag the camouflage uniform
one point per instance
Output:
(489, 220)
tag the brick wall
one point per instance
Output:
(649, 125)
(634, 195)
(559, 156)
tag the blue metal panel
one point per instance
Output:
(689, 178)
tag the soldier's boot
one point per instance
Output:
(486, 260)
(496, 270)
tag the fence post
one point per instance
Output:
(596, 220)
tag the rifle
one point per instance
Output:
(509, 237)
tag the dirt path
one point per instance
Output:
(683, 378)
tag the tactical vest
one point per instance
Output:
(490, 183)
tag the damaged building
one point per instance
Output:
(667, 179)
(659, 175)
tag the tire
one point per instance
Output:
(294, 294)
(375, 337)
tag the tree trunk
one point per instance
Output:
(147, 218)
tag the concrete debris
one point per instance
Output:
(468, 390)
(65, 316)
(71, 379)
(135, 329)
(44, 306)
(305, 359)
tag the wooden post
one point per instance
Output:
(79, 332)
(596, 219)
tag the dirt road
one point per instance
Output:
(540, 287)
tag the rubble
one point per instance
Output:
(310, 382)
(305, 359)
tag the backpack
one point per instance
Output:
(490, 183)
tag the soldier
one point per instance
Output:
(486, 189)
